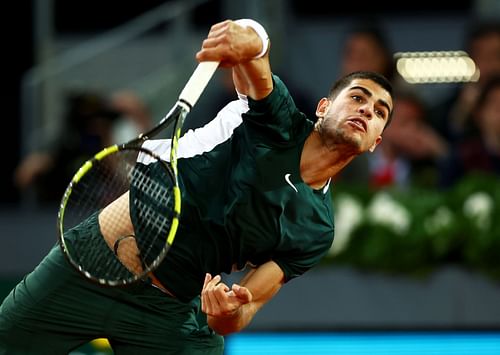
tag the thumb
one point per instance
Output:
(242, 293)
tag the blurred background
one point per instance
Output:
(416, 257)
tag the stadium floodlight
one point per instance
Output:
(436, 67)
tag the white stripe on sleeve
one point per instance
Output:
(203, 139)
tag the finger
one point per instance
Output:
(215, 280)
(242, 293)
(210, 282)
(213, 295)
(208, 277)
(217, 298)
(206, 305)
(222, 288)
(219, 290)
(203, 56)
(227, 303)
(210, 43)
(209, 285)
(205, 301)
(218, 53)
(218, 31)
(218, 27)
(214, 304)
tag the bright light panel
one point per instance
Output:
(436, 67)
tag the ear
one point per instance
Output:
(322, 107)
(377, 142)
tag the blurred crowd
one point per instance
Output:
(435, 146)
(91, 122)
(423, 146)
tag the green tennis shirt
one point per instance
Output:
(243, 199)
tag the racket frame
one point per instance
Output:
(187, 99)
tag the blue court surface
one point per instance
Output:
(361, 343)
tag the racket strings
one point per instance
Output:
(118, 197)
(152, 202)
(105, 182)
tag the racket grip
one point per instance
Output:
(197, 82)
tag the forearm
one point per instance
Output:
(253, 78)
(234, 323)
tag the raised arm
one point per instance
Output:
(240, 47)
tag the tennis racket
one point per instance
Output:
(119, 214)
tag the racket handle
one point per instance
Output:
(198, 81)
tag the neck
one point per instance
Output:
(319, 163)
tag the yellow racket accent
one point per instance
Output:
(82, 171)
(106, 151)
(173, 230)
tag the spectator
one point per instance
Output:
(135, 116)
(410, 150)
(483, 46)
(479, 151)
(89, 125)
(366, 48)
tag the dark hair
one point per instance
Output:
(377, 78)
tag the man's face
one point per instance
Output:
(356, 118)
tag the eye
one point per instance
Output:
(356, 98)
(380, 113)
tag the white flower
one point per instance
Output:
(441, 219)
(348, 215)
(478, 207)
(384, 210)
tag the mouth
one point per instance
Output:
(358, 123)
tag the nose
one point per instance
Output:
(366, 110)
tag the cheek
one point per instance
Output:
(330, 118)
(377, 128)
(375, 133)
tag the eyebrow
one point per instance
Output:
(369, 94)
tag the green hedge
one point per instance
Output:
(417, 230)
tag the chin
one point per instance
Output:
(353, 140)
(351, 143)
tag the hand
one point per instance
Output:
(31, 167)
(220, 301)
(230, 43)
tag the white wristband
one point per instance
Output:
(261, 32)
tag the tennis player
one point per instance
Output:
(255, 184)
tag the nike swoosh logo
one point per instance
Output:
(287, 179)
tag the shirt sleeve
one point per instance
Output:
(297, 261)
(203, 139)
(276, 119)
